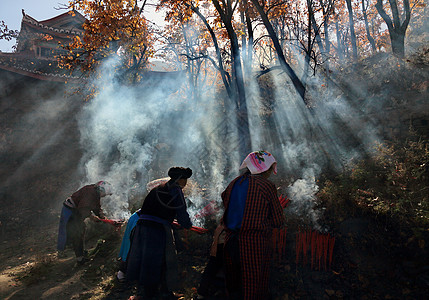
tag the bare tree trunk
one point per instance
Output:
(250, 40)
(340, 51)
(326, 13)
(237, 76)
(396, 29)
(352, 29)
(368, 32)
(190, 65)
(307, 59)
(247, 45)
(300, 88)
(244, 46)
(315, 27)
(223, 73)
(327, 44)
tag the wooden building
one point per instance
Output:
(38, 45)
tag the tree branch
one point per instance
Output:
(384, 15)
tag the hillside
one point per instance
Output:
(377, 254)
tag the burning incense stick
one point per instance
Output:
(196, 229)
(112, 222)
(320, 246)
(297, 246)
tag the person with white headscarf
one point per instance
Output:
(252, 210)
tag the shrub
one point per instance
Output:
(392, 184)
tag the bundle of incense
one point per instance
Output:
(319, 249)
(306, 241)
(112, 222)
(331, 248)
(320, 246)
(325, 250)
(313, 247)
(298, 246)
(208, 210)
(325, 247)
(284, 201)
(196, 229)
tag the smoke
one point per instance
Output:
(255, 109)
(307, 141)
(130, 135)
(303, 192)
(133, 134)
(38, 148)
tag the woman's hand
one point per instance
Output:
(94, 217)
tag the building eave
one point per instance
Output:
(29, 21)
(39, 75)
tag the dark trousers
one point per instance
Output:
(214, 265)
(233, 268)
(76, 233)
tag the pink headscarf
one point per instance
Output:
(258, 162)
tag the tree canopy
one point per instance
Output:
(113, 27)
(237, 36)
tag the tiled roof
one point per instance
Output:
(27, 19)
(36, 68)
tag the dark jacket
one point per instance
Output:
(87, 199)
(167, 202)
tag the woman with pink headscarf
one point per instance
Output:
(252, 210)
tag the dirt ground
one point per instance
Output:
(369, 261)
(30, 269)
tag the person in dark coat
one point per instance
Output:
(152, 260)
(252, 210)
(80, 205)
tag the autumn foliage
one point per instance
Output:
(113, 27)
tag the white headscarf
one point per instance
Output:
(259, 161)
